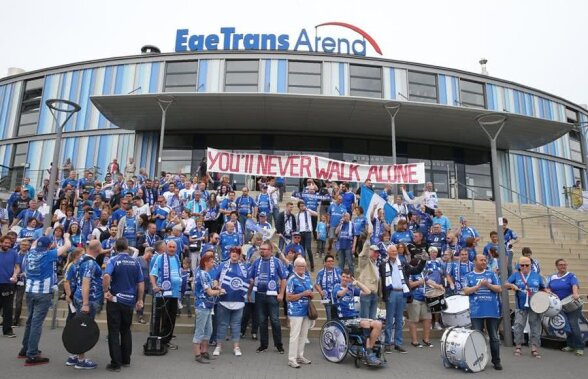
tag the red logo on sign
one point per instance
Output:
(357, 30)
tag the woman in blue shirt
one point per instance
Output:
(564, 283)
(402, 234)
(298, 294)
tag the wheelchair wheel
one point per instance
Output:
(334, 341)
(357, 362)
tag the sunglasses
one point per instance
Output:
(524, 265)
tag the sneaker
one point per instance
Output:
(427, 343)
(72, 361)
(303, 361)
(400, 349)
(207, 356)
(417, 344)
(10, 335)
(372, 360)
(38, 360)
(142, 320)
(242, 335)
(261, 349)
(200, 359)
(212, 343)
(280, 350)
(388, 349)
(437, 326)
(498, 366)
(217, 351)
(86, 364)
(579, 352)
(111, 367)
(23, 354)
(254, 336)
(237, 351)
(567, 349)
(171, 346)
(293, 364)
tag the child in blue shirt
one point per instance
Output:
(321, 235)
(185, 289)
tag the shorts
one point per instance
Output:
(351, 322)
(418, 310)
(332, 232)
(202, 325)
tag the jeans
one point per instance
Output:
(306, 241)
(38, 305)
(328, 311)
(520, 321)
(345, 256)
(18, 298)
(275, 215)
(298, 333)
(202, 325)
(242, 220)
(574, 338)
(120, 340)
(268, 307)
(492, 328)
(509, 255)
(369, 306)
(395, 304)
(228, 317)
(249, 312)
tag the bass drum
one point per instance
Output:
(464, 349)
(334, 341)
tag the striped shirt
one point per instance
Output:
(39, 268)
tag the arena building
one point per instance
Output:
(291, 95)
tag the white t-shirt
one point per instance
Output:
(275, 195)
(143, 209)
(187, 194)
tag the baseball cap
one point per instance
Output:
(294, 234)
(43, 243)
(262, 214)
(374, 247)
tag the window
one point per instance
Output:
(472, 94)
(575, 146)
(422, 87)
(181, 76)
(365, 81)
(241, 76)
(29, 109)
(20, 154)
(304, 77)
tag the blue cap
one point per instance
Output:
(43, 243)
(206, 248)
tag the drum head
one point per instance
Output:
(539, 302)
(80, 334)
(334, 341)
(457, 304)
(476, 352)
(434, 293)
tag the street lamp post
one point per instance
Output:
(581, 125)
(164, 103)
(57, 106)
(392, 109)
(492, 124)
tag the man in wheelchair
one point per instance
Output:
(345, 293)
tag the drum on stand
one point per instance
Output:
(545, 303)
(464, 349)
(568, 304)
(435, 300)
(457, 312)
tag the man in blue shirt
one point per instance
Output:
(123, 290)
(347, 197)
(467, 231)
(229, 238)
(246, 207)
(166, 280)
(492, 244)
(437, 238)
(483, 287)
(510, 238)
(9, 272)
(335, 211)
(39, 268)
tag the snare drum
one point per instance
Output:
(457, 312)
(465, 349)
(568, 304)
(545, 303)
(435, 300)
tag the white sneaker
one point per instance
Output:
(217, 351)
(437, 326)
(293, 364)
(180, 306)
(237, 351)
(303, 361)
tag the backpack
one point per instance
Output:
(104, 234)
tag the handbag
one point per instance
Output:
(312, 312)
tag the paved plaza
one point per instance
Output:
(418, 363)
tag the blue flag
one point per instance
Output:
(369, 200)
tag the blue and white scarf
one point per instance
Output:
(271, 283)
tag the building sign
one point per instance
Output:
(229, 38)
(311, 166)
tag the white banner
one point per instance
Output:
(311, 166)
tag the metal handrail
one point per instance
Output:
(55, 303)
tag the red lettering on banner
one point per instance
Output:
(272, 165)
(400, 173)
(262, 164)
(223, 162)
(235, 162)
(294, 165)
(305, 166)
(412, 175)
(390, 173)
(321, 173)
(212, 158)
(372, 173)
(354, 171)
(284, 166)
(250, 168)
(247, 162)
(334, 168)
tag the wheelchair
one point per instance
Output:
(337, 340)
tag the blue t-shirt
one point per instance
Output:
(458, 272)
(346, 303)
(472, 254)
(298, 248)
(321, 231)
(7, 261)
(327, 279)
(402, 237)
(509, 235)
(296, 285)
(487, 248)
(264, 203)
(359, 224)
(175, 275)
(39, 269)
(202, 282)
(437, 240)
(232, 277)
(435, 269)
(345, 239)
(484, 303)
(226, 241)
(336, 212)
(71, 274)
(534, 285)
(418, 293)
(562, 287)
(265, 279)
(89, 269)
(126, 273)
(348, 200)
(245, 205)
(160, 222)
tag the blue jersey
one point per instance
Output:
(32, 234)
(348, 200)
(39, 269)
(89, 269)
(160, 222)
(245, 205)
(402, 237)
(418, 293)
(346, 303)
(336, 212)
(345, 239)
(264, 203)
(126, 274)
(327, 279)
(298, 248)
(267, 274)
(129, 230)
(8, 260)
(232, 277)
(435, 269)
(296, 285)
(175, 276)
(202, 282)
(458, 272)
(359, 224)
(438, 240)
(27, 214)
(562, 286)
(509, 236)
(71, 274)
(226, 241)
(228, 205)
(528, 285)
(484, 303)
(465, 233)
(321, 231)
(487, 248)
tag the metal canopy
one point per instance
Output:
(307, 114)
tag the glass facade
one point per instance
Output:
(241, 76)
(422, 87)
(304, 77)
(181, 76)
(365, 81)
(472, 94)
